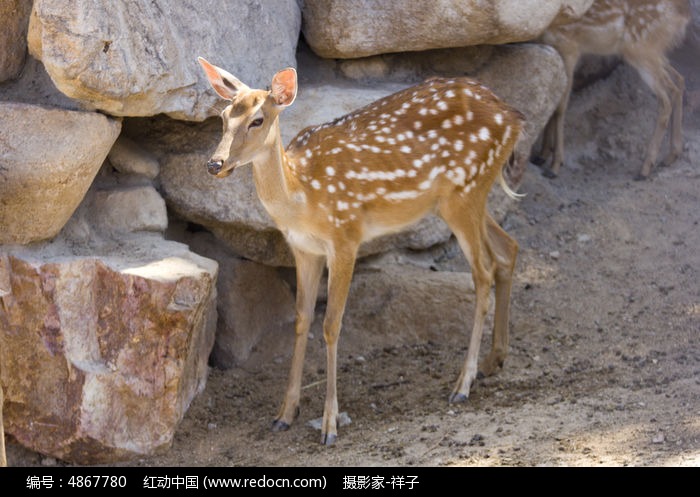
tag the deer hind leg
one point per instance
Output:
(542, 157)
(655, 74)
(341, 265)
(676, 137)
(309, 269)
(556, 124)
(504, 251)
(470, 232)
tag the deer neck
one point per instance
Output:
(275, 184)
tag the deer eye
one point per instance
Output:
(255, 123)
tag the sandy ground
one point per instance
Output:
(604, 364)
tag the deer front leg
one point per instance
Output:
(309, 268)
(340, 269)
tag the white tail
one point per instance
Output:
(435, 147)
(641, 32)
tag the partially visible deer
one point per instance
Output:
(435, 147)
(642, 32)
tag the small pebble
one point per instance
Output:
(554, 254)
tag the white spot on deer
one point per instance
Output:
(417, 163)
(458, 120)
(445, 154)
(342, 206)
(442, 105)
(400, 137)
(484, 133)
(308, 153)
(400, 173)
(450, 94)
(315, 184)
(425, 185)
(330, 171)
(386, 130)
(468, 92)
(460, 176)
(473, 170)
(473, 138)
(446, 124)
(435, 172)
(423, 111)
(470, 115)
(380, 138)
(303, 161)
(434, 147)
(331, 188)
(506, 134)
(412, 173)
(432, 134)
(459, 145)
(417, 125)
(498, 118)
(381, 190)
(405, 149)
(405, 195)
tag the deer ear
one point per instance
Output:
(284, 87)
(224, 83)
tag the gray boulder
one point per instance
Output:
(85, 48)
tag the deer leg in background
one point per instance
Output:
(655, 74)
(570, 56)
(676, 137)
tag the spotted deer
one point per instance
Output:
(642, 32)
(435, 147)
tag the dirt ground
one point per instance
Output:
(604, 364)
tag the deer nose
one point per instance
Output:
(214, 166)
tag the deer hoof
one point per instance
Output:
(328, 439)
(457, 398)
(548, 173)
(279, 425)
(538, 160)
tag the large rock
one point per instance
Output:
(49, 159)
(230, 207)
(342, 29)
(102, 352)
(85, 49)
(14, 18)
(255, 304)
